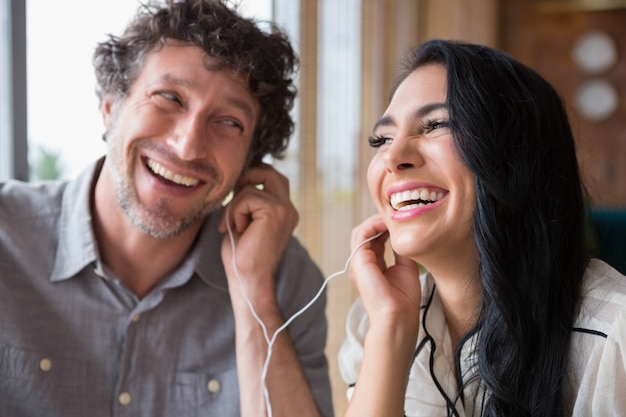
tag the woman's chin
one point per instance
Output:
(407, 245)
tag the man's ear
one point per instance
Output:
(106, 110)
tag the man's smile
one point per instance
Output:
(165, 173)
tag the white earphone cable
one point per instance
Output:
(272, 340)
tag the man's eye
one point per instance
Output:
(167, 100)
(376, 141)
(170, 96)
(233, 123)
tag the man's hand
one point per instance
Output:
(262, 219)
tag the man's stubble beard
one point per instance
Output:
(154, 220)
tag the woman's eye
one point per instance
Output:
(429, 125)
(377, 141)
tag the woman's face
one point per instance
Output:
(424, 193)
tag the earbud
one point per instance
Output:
(228, 197)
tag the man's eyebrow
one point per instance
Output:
(419, 113)
(233, 101)
(241, 105)
(169, 78)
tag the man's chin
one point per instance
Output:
(164, 225)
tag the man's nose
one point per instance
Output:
(189, 140)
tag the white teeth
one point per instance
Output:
(410, 199)
(410, 206)
(159, 169)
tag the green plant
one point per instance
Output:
(46, 165)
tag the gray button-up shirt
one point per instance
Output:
(75, 343)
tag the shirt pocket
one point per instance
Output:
(205, 394)
(35, 383)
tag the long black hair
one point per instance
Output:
(512, 131)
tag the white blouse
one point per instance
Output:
(597, 373)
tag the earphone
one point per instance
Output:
(270, 340)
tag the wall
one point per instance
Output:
(544, 41)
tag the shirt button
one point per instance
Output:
(213, 386)
(136, 318)
(124, 398)
(45, 364)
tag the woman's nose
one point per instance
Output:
(403, 153)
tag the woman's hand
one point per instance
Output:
(388, 292)
(391, 296)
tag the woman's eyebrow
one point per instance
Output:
(419, 113)
(429, 108)
(383, 121)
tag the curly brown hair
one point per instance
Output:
(264, 57)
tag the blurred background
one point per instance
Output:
(50, 126)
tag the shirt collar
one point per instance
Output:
(76, 245)
(206, 253)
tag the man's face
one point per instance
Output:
(178, 141)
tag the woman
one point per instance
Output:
(475, 179)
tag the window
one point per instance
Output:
(6, 130)
(64, 120)
(12, 91)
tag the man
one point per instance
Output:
(130, 291)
